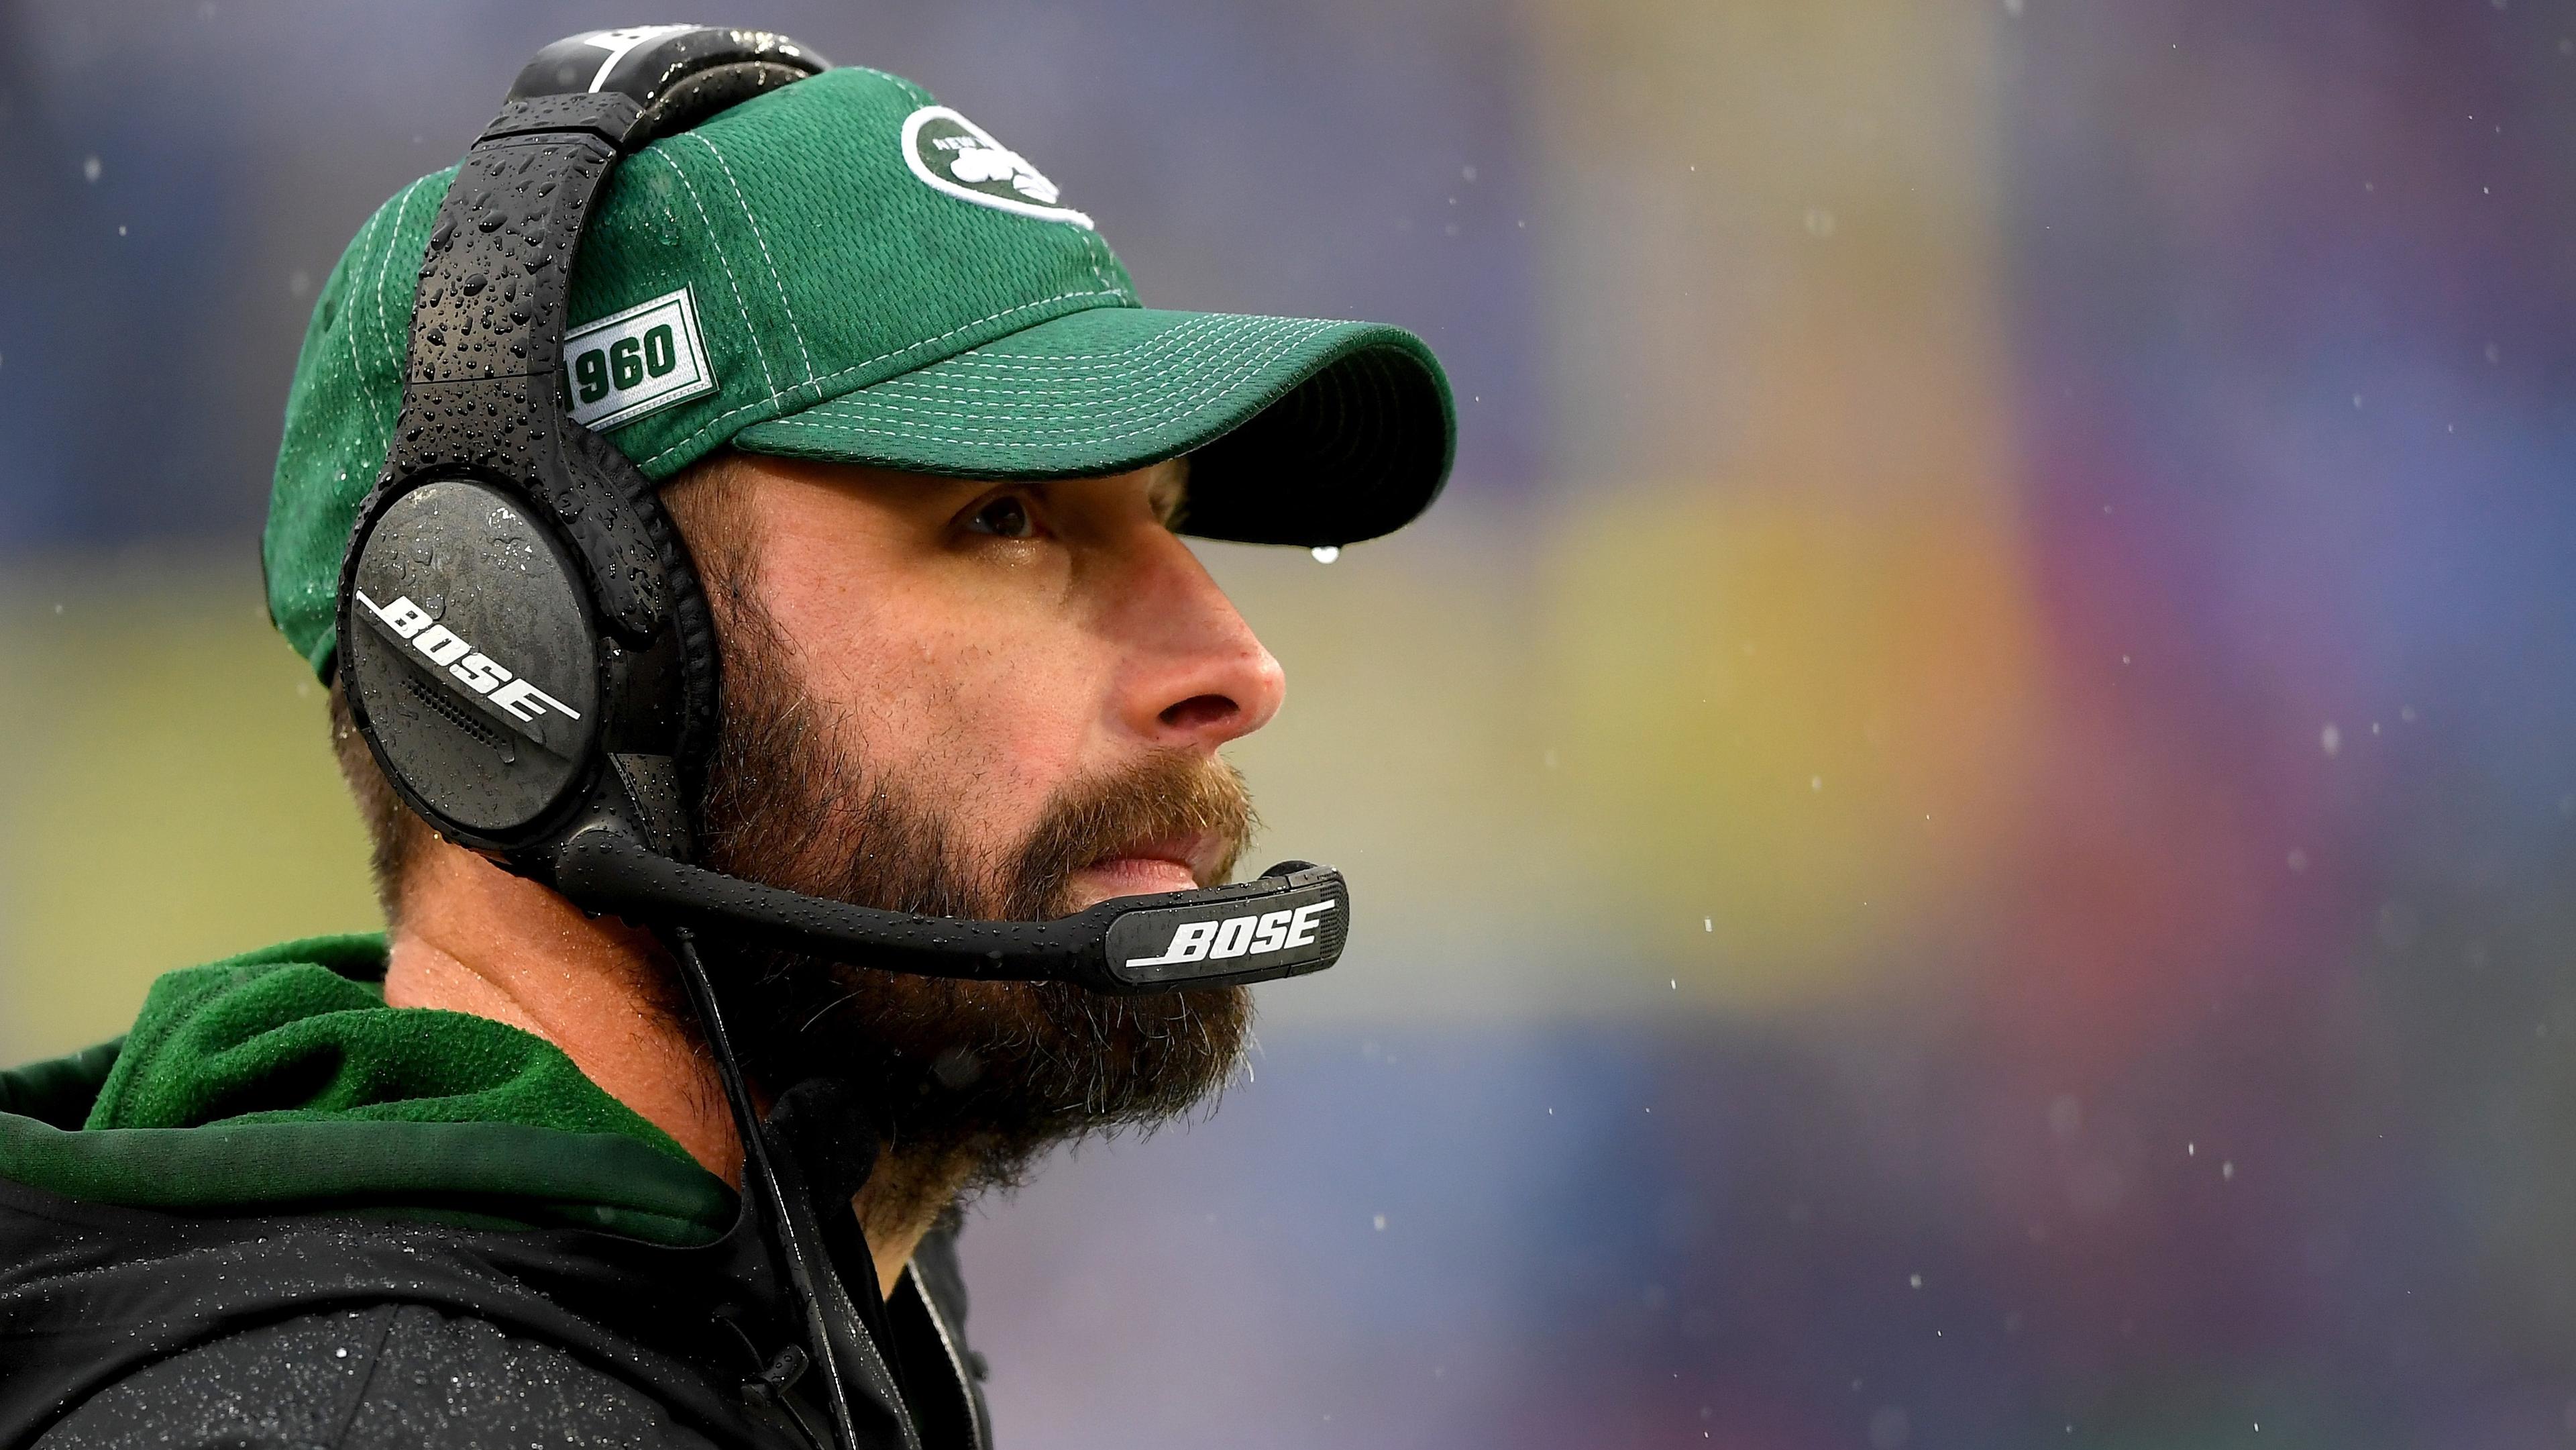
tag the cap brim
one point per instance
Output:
(1301, 432)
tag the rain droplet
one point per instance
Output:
(1327, 553)
(89, 170)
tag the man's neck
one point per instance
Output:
(474, 938)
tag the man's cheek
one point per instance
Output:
(1030, 711)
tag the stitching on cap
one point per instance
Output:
(402, 217)
(1222, 357)
(1219, 357)
(1093, 407)
(710, 227)
(911, 89)
(990, 358)
(1099, 251)
(1179, 407)
(774, 280)
(729, 414)
(1116, 361)
(1111, 360)
(1088, 369)
(357, 369)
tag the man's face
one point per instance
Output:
(975, 700)
(993, 646)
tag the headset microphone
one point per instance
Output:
(1292, 920)
(528, 653)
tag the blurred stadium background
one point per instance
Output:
(1965, 814)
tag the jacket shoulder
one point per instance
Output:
(386, 1376)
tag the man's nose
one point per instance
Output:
(1200, 676)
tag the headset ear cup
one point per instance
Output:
(692, 623)
(470, 657)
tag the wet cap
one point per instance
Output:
(845, 270)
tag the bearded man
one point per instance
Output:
(481, 1180)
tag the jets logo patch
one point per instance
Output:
(958, 157)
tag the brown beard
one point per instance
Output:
(969, 1081)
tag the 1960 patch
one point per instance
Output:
(634, 362)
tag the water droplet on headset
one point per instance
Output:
(1327, 553)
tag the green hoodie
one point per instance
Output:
(279, 1081)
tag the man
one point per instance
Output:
(474, 1182)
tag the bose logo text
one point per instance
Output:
(1238, 936)
(480, 672)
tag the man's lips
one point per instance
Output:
(1177, 863)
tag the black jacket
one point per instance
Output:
(281, 1213)
(123, 1327)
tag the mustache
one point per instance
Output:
(1170, 793)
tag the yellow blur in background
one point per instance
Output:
(166, 791)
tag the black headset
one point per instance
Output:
(523, 639)
(528, 653)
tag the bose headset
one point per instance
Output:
(528, 653)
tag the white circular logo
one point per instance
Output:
(962, 159)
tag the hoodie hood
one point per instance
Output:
(279, 1081)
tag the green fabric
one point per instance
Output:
(280, 1080)
(832, 260)
(1100, 391)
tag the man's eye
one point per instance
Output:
(1007, 517)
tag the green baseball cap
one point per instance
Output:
(845, 270)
